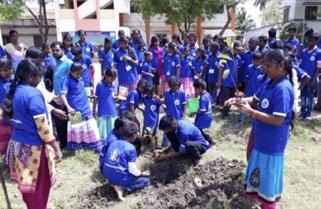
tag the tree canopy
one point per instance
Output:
(10, 11)
(244, 22)
(183, 13)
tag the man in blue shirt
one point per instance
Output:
(227, 76)
(185, 138)
(311, 56)
(292, 40)
(247, 58)
(116, 44)
(120, 163)
(106, 57)
(61, 72)
(272, 36)
(86, 63)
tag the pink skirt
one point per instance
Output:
(187, 84)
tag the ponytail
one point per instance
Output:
(26, 68)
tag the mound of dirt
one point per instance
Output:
(217, 184)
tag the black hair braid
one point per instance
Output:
(7, 105)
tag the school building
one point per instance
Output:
(103, 18)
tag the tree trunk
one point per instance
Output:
(46, 24)
(229, 17)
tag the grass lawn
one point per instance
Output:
(79, 172)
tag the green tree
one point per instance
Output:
(14, 9)
(244, 22)
(183, 13)
(10, 11)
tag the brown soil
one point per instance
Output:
(217, 185)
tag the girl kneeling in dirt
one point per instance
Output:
(120, 164)
(185, 138)
(264, 175)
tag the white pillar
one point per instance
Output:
(1, 41)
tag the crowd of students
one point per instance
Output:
(51, 94)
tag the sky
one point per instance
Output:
(253, 11)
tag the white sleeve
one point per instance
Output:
(132, 168)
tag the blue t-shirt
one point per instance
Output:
(133, 98)
(300, 73)
(116, 45)
(171, 62)
(175, 103)
(60, 74)
(2, 52)
(4, 89)
(86, 63)
(199, 65)
(112, 136)
(294, 42)
(309, 61)
(187, 131)
(87, 49)
(147, 68)
(127, 72)
(204, 119)
(28, 102)
(213, 63)
(277, 98)
(106, 102)
(247, 59)
(151, 113)
(68, 54)
(229, 65)
(49, 61)
(186, 67)
(252, 75)
(140, 52)
(106, 58)
(76, 96)
(119, 154)
(192, 52)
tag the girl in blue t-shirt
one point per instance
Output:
(105, 98)
(152, 105)
(200, 64)
(147, 71)
(264, 175)
(204, 116)
(171, 61)
(32, 149)
(82, 130)
(186, 74)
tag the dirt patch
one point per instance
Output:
(175, 185)
(217, 184)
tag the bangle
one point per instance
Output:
(253, 114)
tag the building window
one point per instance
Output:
(286, 14)
(311, 12)
(37, 41)
(5, 39)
